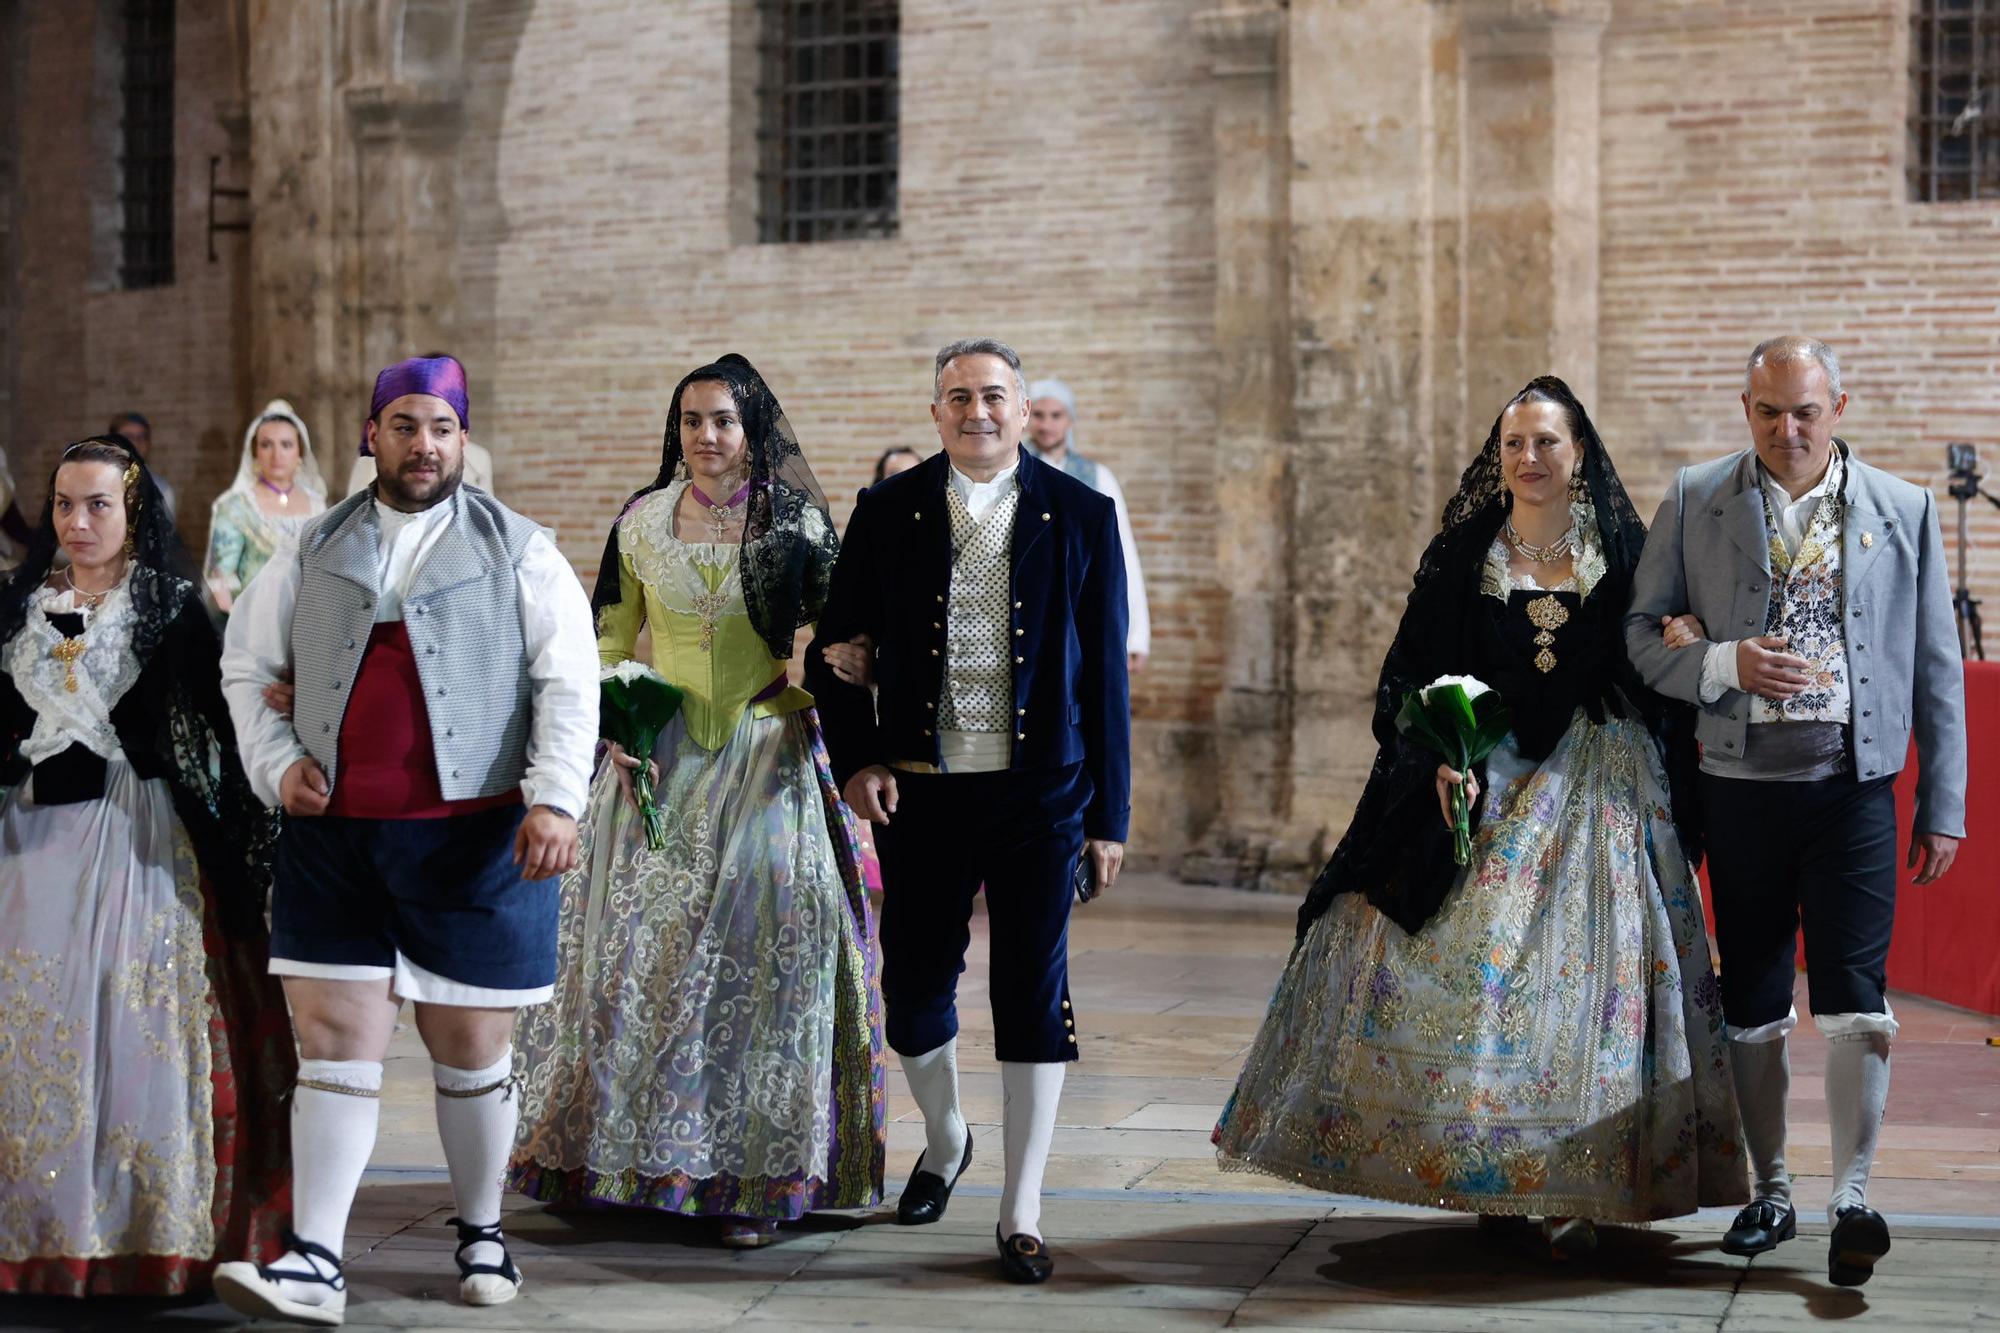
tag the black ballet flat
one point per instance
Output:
(1023, 1258)
(1860, 1237)
(1764, 1225)
(928, 1192)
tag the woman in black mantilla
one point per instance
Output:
(147, 1047)
(1539, 1032)
(714, 1045)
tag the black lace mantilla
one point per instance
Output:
(789, 544)
(1397, 851)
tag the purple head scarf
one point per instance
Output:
(439, 376)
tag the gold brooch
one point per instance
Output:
(1867, 540)
(1548, 615)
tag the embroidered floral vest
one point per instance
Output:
(979, 673)
(1805, 604)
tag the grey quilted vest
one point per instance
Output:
(463, 616)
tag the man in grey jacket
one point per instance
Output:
(432, 767)
(1799, 598)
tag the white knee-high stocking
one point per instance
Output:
(477, 1112)
(1857, 1093)
(1763, 1075)
(1028, 1125)
(933, 1079)
(336, 1107)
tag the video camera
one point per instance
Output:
(1962, 461)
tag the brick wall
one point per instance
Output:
(83, 351)
(1056, 174)
(1753, 185)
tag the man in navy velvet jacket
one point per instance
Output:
(996, 751)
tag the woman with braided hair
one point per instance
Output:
(146, 1049)
(1538, 1032)
(714, 1047)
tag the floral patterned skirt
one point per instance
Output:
(1550, 1043)
(141, 1061)
(714, 1044)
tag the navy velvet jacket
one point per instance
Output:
(1071, 698)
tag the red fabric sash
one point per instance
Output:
(388, 766)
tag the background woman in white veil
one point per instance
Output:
(277, 488)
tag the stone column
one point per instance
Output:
(356, 107)
(1253, 389)
(1531, 75)
(1368, 265)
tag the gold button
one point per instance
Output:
(932, 707)
(940, 601)
(935, 625)
(916, 515)
(1017, 661)
(927, 731)
(1020, 735)
(934, 652)
(1072, 1039)
(1017, 606)
(1069, 1022)
(1020, 712)
(1045, 518)
(1019, 632)
(1065, 1004)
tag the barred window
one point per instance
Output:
(146, 160)
(828, 107)
(1954, 100)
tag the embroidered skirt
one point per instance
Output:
(132, 1056)
(1550, 1043)
(714, 1044)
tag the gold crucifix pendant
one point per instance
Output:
(67, 651)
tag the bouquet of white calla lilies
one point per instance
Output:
(634, 705)
(1461, 718)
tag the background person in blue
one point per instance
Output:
(996, 750)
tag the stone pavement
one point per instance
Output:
(1170, 982)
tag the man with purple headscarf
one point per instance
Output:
(436, 758)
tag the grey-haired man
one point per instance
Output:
(1829, 641)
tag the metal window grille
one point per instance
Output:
(147, 162)
(1954, 100)
(829, 108)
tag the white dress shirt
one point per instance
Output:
(981, 496)
(556, 629)
(1718, 668)
(1138, 614)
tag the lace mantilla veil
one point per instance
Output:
(789, 544)
(1396, 850)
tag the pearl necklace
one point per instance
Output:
(1559, 549)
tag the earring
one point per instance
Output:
(1576, 483)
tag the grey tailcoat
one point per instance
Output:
(1708, 553)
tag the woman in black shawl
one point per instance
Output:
(147, 1049)
(1540, 1031)
(714, 1045)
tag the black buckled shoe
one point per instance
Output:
(928, 1192)
(484, 1284)
(1764, 1225)
(1860, 1237)
(1023, 1258)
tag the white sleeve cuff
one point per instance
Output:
(1718, 672)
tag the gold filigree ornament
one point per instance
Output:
(710, 606)
(67, 651)
(1548, 615)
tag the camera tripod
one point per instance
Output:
(1965, 607)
